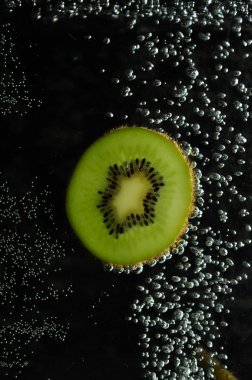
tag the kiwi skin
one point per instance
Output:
(190, 208)
(220, 373)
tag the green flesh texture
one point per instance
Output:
(139, 243)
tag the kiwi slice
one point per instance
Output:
(130, 196)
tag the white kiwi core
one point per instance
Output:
(130, 195)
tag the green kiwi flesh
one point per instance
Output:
(130, 196)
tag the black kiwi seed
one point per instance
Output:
(112, 171)
(131, 168)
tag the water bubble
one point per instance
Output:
(126, 91)
(192, 73)
(106, 40)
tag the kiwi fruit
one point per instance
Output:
(130, 196)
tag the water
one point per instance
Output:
(69, 73)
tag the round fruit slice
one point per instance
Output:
(130, 196)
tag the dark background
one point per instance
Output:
(63, 67)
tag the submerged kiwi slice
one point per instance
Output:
(130, 196)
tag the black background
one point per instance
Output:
(63, 69)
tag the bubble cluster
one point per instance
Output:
(194, 84)
(177, 11)
(186, 72)
(30, 265)
(14, 93)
